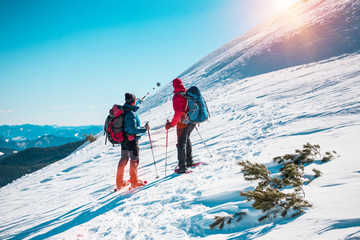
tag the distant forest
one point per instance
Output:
(33, 159)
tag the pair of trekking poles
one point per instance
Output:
(167, 137)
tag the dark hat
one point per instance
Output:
(129, 98)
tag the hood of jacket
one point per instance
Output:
(178, 85)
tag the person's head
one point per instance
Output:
(178, 85)
(130, 98)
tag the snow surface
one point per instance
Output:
(255, 118)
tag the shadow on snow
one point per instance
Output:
(85, 215)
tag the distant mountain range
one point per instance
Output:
(44, 141)
(31, 132)
(20, 137)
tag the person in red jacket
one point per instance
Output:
(183, 127)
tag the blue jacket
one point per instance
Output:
(132, 120)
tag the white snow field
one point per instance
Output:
(261, 106)
(255, 118)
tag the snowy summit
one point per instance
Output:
(292, 80)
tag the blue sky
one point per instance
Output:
(66, 62)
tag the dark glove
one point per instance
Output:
(168, 125)
(147, 127)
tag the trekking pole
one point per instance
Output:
(157, 85)
(167, 134)
(203, 141)
(157, 176)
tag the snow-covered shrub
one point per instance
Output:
(268, 195)
(90, 137)
(307, 155)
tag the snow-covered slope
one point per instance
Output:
(256, 118)
(312, 30)
(253, 118)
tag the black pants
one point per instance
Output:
(184, 146)
(129, 151)
(130, 146)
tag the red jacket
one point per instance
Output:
(179, 102)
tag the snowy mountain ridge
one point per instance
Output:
(253, 118)
(33, 132)
(312, 30)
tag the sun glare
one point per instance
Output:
(282, 5)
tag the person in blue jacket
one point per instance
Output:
(130, 144)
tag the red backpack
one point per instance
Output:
(113, 127)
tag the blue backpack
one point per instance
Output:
(198, 110)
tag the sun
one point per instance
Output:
(282, 5)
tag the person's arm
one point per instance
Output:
(132, 126)
(176, 118)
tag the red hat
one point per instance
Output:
(178, 85)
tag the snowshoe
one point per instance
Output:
(182, 171)
(196, 164)
(188, 166)
(139, 183)
(121, 185)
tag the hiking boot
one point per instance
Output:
(139, 183)
(190, 164)
(120, 185)
(183, 170)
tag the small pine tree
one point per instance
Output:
(268, 196)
